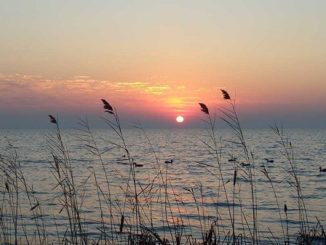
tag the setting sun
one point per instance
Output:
(180, 119)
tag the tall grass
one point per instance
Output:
(151, 209)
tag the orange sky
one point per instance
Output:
(158, 59)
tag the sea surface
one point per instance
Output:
(185, 196)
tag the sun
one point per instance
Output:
(179, 119)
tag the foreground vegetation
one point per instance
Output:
(131, 220)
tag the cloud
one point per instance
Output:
(157, 90)
(80, 95)
(135, 85)
(21, 91)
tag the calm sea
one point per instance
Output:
(193, 197)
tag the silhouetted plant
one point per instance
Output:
(131, 220)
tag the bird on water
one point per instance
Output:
(269, 160)
(322, 169)
(232, 159)
(168, 161)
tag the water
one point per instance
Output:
(194, 196)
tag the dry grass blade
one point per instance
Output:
(235, 177)
(108, 108)
(204, 108)
(35, 206)
(226, 95)
(122, 221)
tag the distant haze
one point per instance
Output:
(155, 60)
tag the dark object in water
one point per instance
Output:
(7, 186)
(322, 169)
(232, 159)
(235, 177)
(138, 165)
(122, 221)
(245, 164)
(269, 160)
(168, 161)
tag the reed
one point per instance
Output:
(150, 200)
(16, 195)
(71, 197)
(288, 153)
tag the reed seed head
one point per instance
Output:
(52, 119)
(122, 221)
(7, 186)
(107, 107)
(225, 94)
(204, 108)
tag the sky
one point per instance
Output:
(155, 60)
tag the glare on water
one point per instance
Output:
(192, 175)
